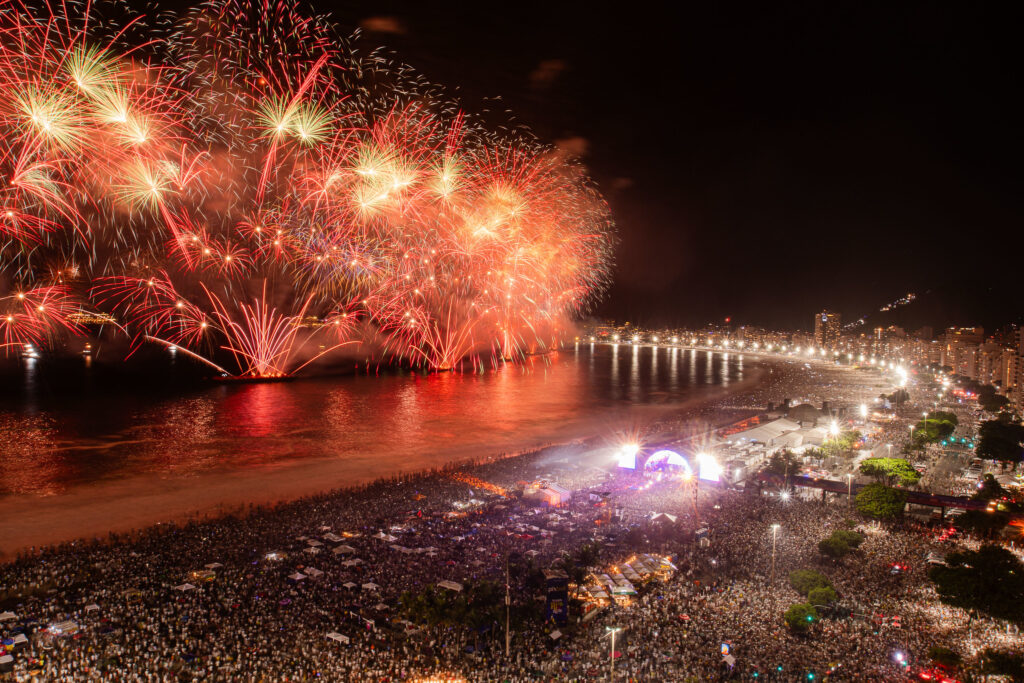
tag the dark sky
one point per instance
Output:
(768, 160)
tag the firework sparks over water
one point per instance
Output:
(238, 182)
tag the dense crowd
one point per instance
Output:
(254, 596)
(262, 613)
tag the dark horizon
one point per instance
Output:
(762, 163)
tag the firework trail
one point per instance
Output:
(33, 317)
(238, 182)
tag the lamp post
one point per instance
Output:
(775, 535)
(849, 488)
(612, 630)
(508, 608)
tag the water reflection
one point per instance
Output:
(53, 445)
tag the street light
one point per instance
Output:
(863, 411)
(612, 630)
(849, 488)
(775, 535)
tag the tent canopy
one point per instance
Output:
(450, 585)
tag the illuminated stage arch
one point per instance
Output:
(665, 458)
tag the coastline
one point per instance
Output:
(94, 511)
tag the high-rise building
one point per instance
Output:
(826, 329)
(960, 347)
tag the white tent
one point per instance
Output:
(385, 537)
(556, 634)
(450, 585)
(63, 628)
(312, 551)
(333, 538)
(185, 587)
(371, 586)
(297, 576)
(349, 584)
(20, 639)
(338, 637)
(351, 563)
(92, 608)
(380, 607)
(313, 542)
(8, 616)
(214, 565)
(314, 572)
(343, 550)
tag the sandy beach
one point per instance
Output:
(133, 502)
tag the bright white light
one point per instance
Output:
(627, 456)
(708, 467)
(833, 428)
(863, 410)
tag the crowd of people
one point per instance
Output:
(318, 588)
(253, 597)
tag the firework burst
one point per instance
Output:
(238, 181)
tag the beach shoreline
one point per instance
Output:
(95, 511)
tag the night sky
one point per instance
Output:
(762, 162)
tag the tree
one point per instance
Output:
(822, 596)
(982, 522)
(990, 579)
(881, 502)
(890, 470)
(943, 656)
(993, 402)
(782, 463)
(800, 616)
(1001, 663)
(990, 489)
(839, 544)
(898, 397)
(932, 429)
(851, 538)
(833, 547)
(841, 443)
(804, 581)
(1000, 441)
